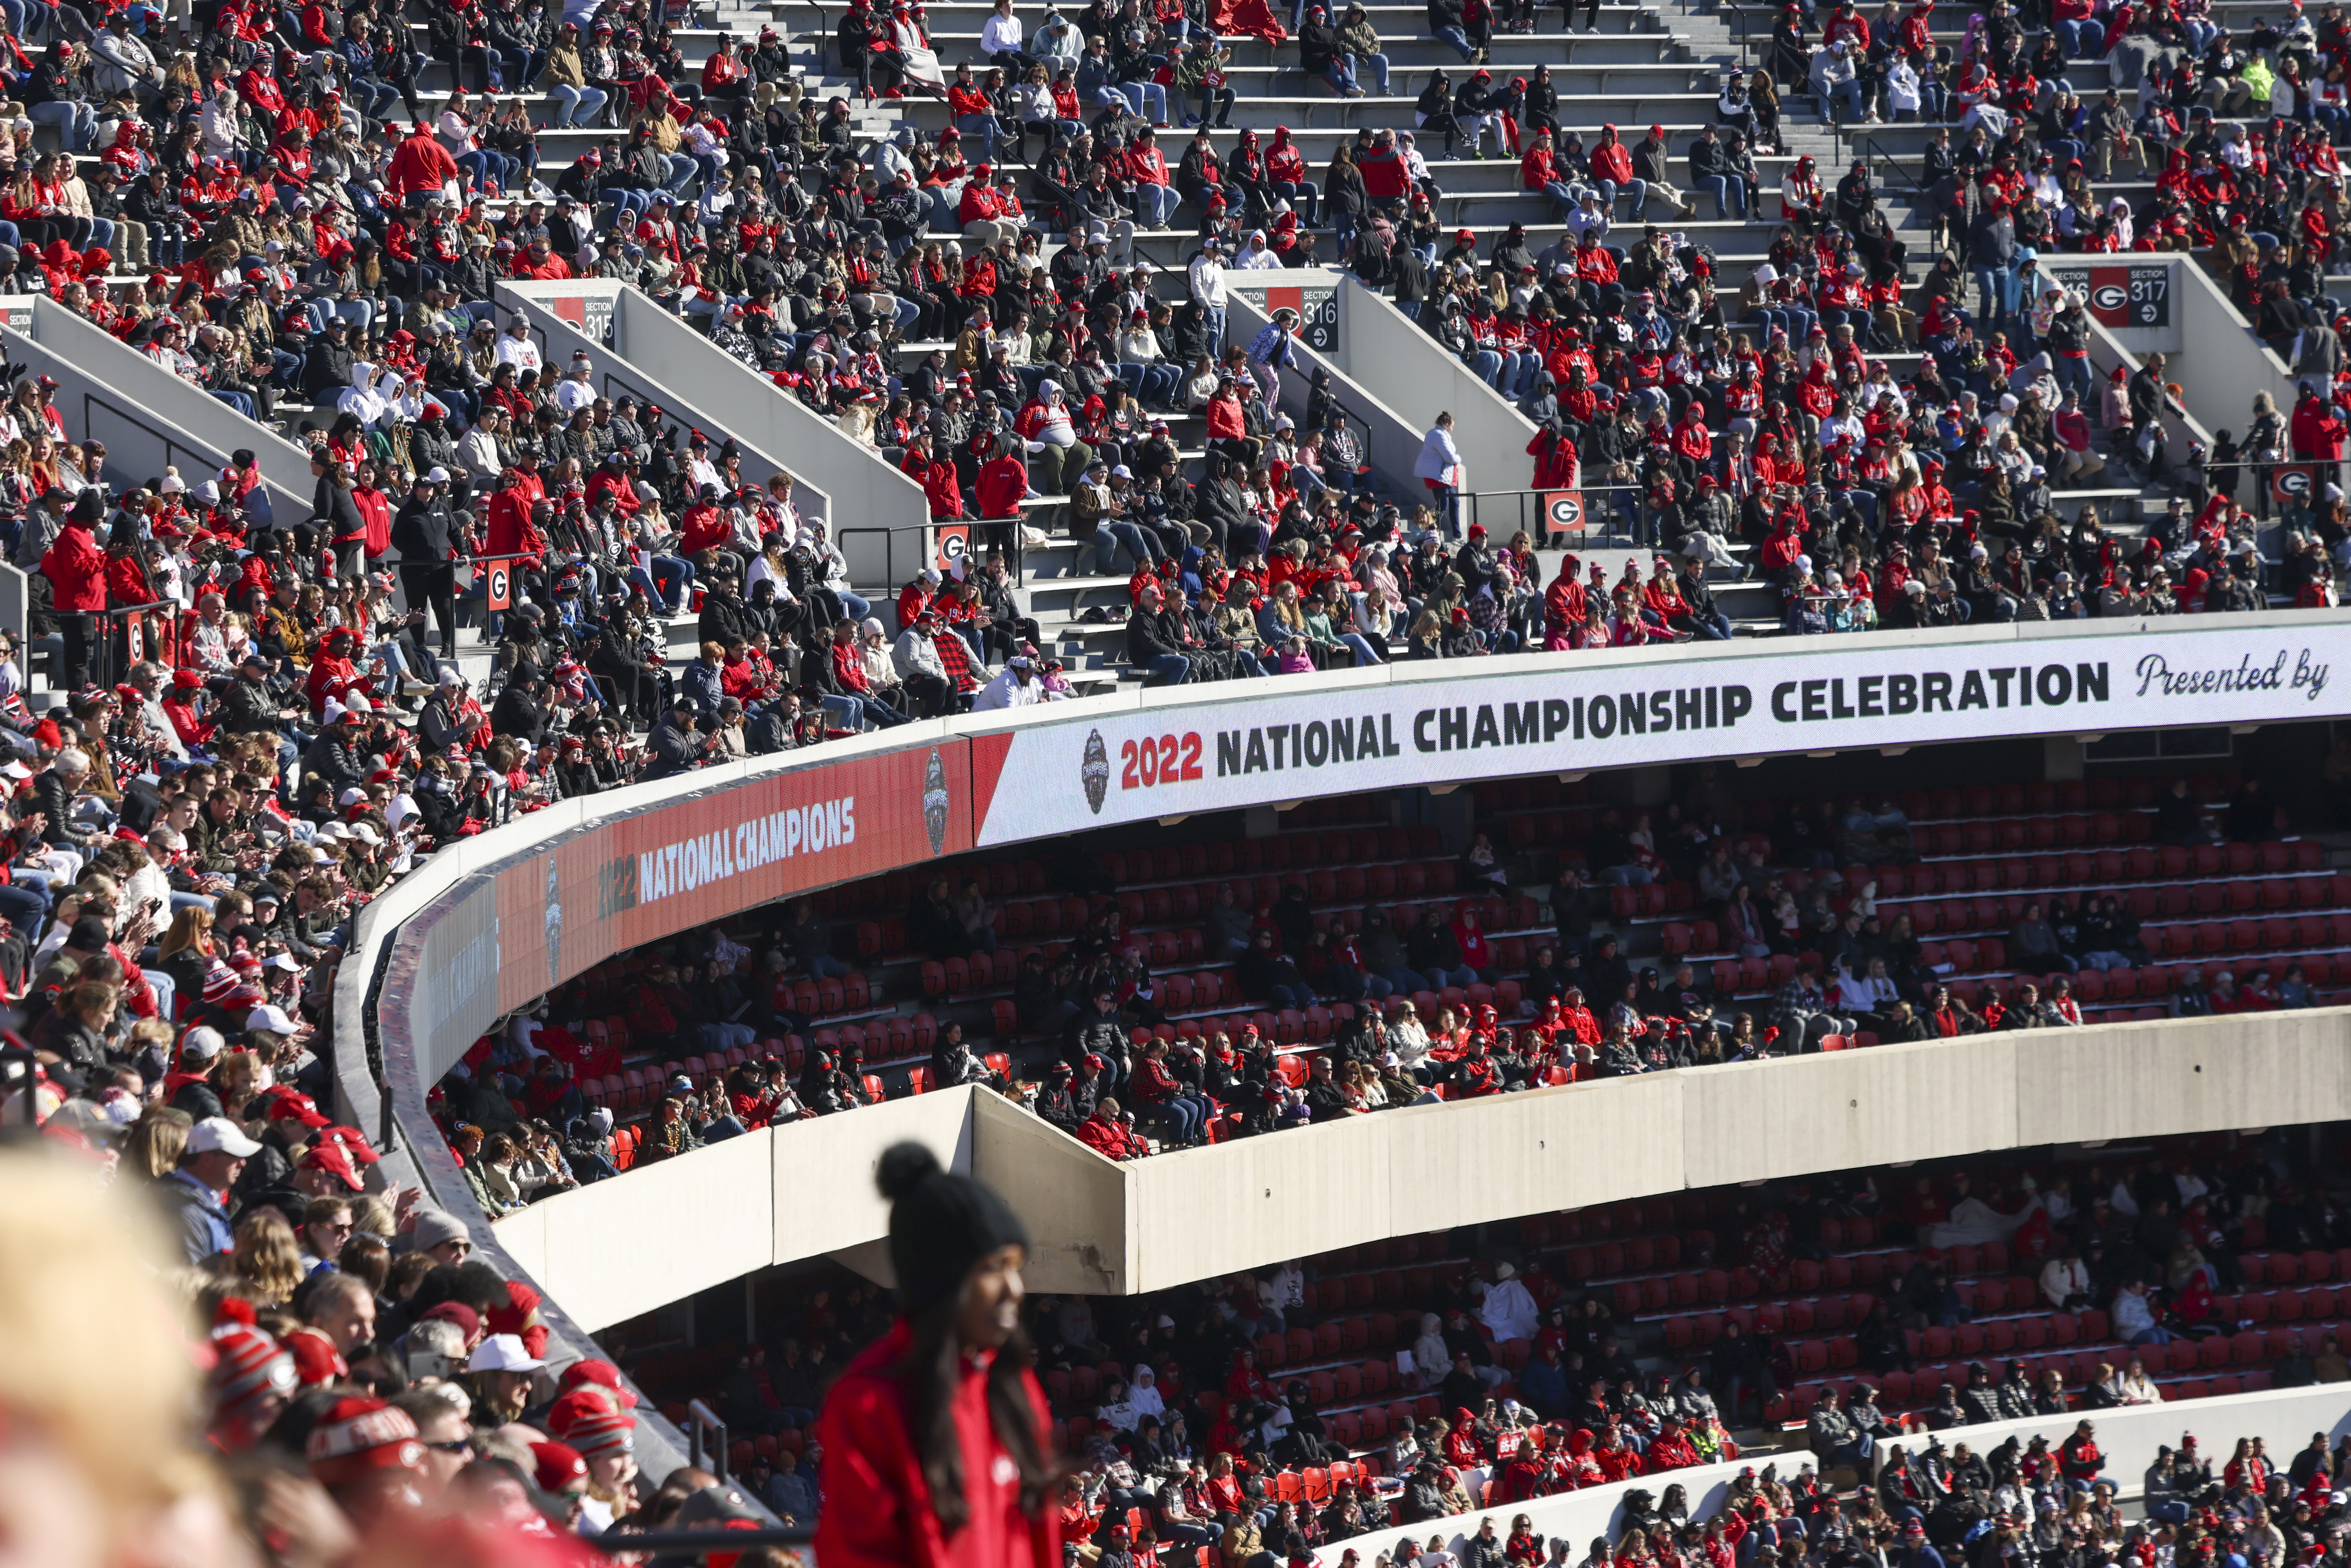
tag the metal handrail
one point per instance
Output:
(140, 609)
(1592, 531)
(699, 1418)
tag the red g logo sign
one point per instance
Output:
(1563, 512)
(499, 595)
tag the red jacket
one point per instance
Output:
(1002, 485)
(702, 527)
(510, 531)
(76, 569)
(880, 1516)
(421, 164)
(1110, 1139)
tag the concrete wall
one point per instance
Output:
(1408, 370)
(616, 1250)
(1074, 1201)
(866, 492)
(2128, 1438)
(1391, 439)
(609, 1254)
(148, 417)
(1748, 1122)
(1255, 1203)
(823, 1188)
(2150, 1079)
(2226, 363)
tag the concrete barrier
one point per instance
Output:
(785, 1195)
(1397, 378)
(149, 418)
(579, 317)
(867, 493)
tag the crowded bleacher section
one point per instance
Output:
(1831, 1322)
(238, 716)
(1150, 999)
(308, 218)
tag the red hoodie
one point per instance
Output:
(882, 1516)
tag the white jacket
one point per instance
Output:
(1208, 276)
(1007, 690)
(1440, 460)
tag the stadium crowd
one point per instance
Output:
(1187, 1426)
(266, 209)
(1426, 1006)
(255, 738)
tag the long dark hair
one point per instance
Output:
(931, 1371)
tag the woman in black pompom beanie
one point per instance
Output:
(936, 1438)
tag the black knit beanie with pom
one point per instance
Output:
(940, 1224)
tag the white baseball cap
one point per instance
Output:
(218, 1135)
(503, 1353)
(269, 1020)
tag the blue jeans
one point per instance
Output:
(629, 204)
(76, 122)
(1215, 103)
(1379, 68)
(374, 99)
(1458, 39)
(1152, 204)
(1847, 93)
(1440, 977)
(667, 586)
(982, 129)
(1727, 193)
(1519, 369)
(1153, 386)
(1365, 654)
(1190, 1112)
(853, 709)
(1636, 189)
(824, 966)
(1445, 500)
(1110, 534)
(1996, 286)
(1215, 327)
(1175, 666)
(2083, 40)
(570, 102)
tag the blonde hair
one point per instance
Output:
(190, 927)
(234, 1076)
(112, 1390)
(157, 1141)
(371, 1214)
(267, 1258)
